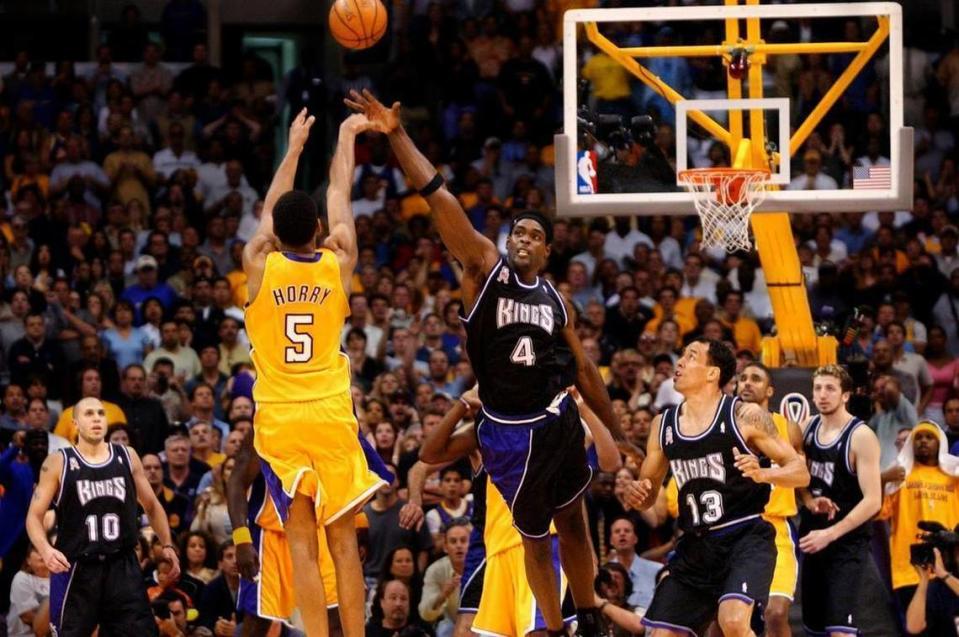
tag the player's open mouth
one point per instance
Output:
(522, 253)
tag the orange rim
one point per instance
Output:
(716, 176)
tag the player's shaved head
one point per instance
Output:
(90, 418)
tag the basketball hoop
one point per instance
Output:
(725, 198)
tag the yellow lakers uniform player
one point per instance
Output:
(781, 507)
(507, 607)
(304, 426)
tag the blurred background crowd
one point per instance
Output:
(131, 181)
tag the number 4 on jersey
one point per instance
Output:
(523, 353)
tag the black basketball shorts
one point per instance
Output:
(731, 563)
(830, 585)
(108, 592)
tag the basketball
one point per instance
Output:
(357, 24)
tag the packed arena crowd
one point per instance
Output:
(129, 193)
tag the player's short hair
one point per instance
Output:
(461, 521)
(539, 218)
(895, 323)
(836, 371)
(765, 370)
(452, 469)
(295, 218)
(221, 550)
(718, 355)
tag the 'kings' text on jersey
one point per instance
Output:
(515, 343)
(713, 493)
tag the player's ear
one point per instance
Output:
(770, 390)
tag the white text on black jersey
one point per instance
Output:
(710, 467)
(110, 488)
(509, 311)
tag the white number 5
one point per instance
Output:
(523, 353)
(301, 350)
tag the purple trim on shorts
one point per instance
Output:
(738, 596)
(810, 631)
(842, 629)
(274, 485)
(674, 627)
(59, 589)
(248, 595)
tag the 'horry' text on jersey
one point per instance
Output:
(509, 311)
(710, 467)
(110, 488)
(300, 294)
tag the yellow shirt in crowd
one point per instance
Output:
(926, 494)
(68, 429)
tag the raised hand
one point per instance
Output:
(356, 123)
(300, 130)
(385, 120)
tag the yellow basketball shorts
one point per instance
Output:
(507, 607)
(312, 448)
(271, 595)
(787, 564)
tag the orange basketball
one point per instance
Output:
(357, 24)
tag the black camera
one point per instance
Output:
(935, 536)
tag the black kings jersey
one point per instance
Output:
(515, 343)
(713, 493)
(96, 505)
(831, 473)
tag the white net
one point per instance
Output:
(725, 198)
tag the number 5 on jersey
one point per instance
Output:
(523, 353)
(301, 350)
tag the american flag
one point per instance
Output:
(871, 177)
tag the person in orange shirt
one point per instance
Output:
(745, 330)
(670, 306)
(928, 490)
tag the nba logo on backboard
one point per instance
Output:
(586, 173)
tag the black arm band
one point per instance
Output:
(433, 186)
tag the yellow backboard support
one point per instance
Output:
(796, 341)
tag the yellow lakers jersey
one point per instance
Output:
(782, 500)
(294, 325)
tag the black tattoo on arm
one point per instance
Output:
(752, 415)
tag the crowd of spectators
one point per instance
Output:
(128, 196)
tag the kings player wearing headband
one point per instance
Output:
(525, 353)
